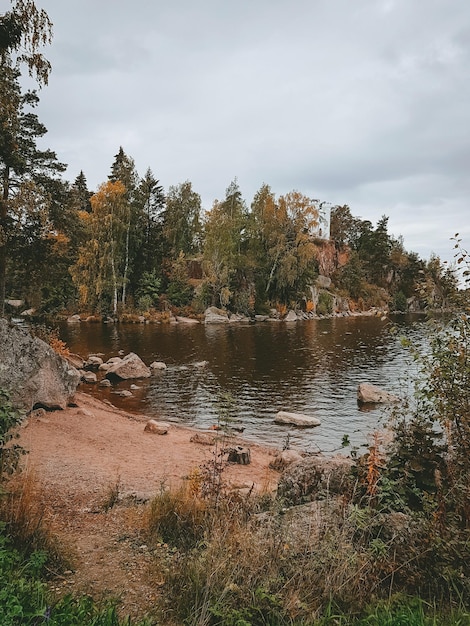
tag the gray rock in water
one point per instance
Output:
(158, 365)
(296, 419)
(370, 394)
(186, 320)
(89, 377)
(213, 315)
(93, 362)
(291, 316)
(32, 372)
(131, 366)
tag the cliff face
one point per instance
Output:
(329, 257)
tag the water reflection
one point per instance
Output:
(311, 367)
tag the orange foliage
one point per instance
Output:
(59, 346)
(374, 463)
(310, 306)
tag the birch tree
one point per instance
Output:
(100, 270)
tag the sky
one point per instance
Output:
(357, 102)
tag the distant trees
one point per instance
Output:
(181, 220)
(281, 238)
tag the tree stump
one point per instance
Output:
(239, 455)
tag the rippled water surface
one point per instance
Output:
(311, 367)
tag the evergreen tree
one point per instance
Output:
(79, 194)
(25, 171)
(181, 220)
(150, 204)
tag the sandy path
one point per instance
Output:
(78, 456)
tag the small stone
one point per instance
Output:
(125, 393)
(158, 365)
(157, 428)
(203, 439)
(89, 378)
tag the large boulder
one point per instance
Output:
(315, 478)
(32, 372)
(323, 282)
(370, 394)
(131, 366)
(213, 315)
(291, 316)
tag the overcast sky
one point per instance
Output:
(358, 102)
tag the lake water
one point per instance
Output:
(311, 367)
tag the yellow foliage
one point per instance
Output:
(309, 306)
(60, 242)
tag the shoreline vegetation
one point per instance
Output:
(383, 541)
(312, 541)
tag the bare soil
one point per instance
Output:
(95, 471)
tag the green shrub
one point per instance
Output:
(325, 303)
(9, 419)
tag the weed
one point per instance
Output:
(112, 495)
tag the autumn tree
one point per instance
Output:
(100, 270)
(123, 170)
(283, 232)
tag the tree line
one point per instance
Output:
(132, 245)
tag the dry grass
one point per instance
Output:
(250, 565)
(22, 511)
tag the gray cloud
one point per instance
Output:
(363, 103)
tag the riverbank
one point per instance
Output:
(92, 469)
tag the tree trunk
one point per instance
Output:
(126, 266)
(239, 455)
(3, 237)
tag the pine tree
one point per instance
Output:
(25, 171)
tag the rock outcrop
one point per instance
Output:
(131, 366)
(315, 478)
(32, 372)
(370, 394)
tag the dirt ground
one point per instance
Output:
(82, 459)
